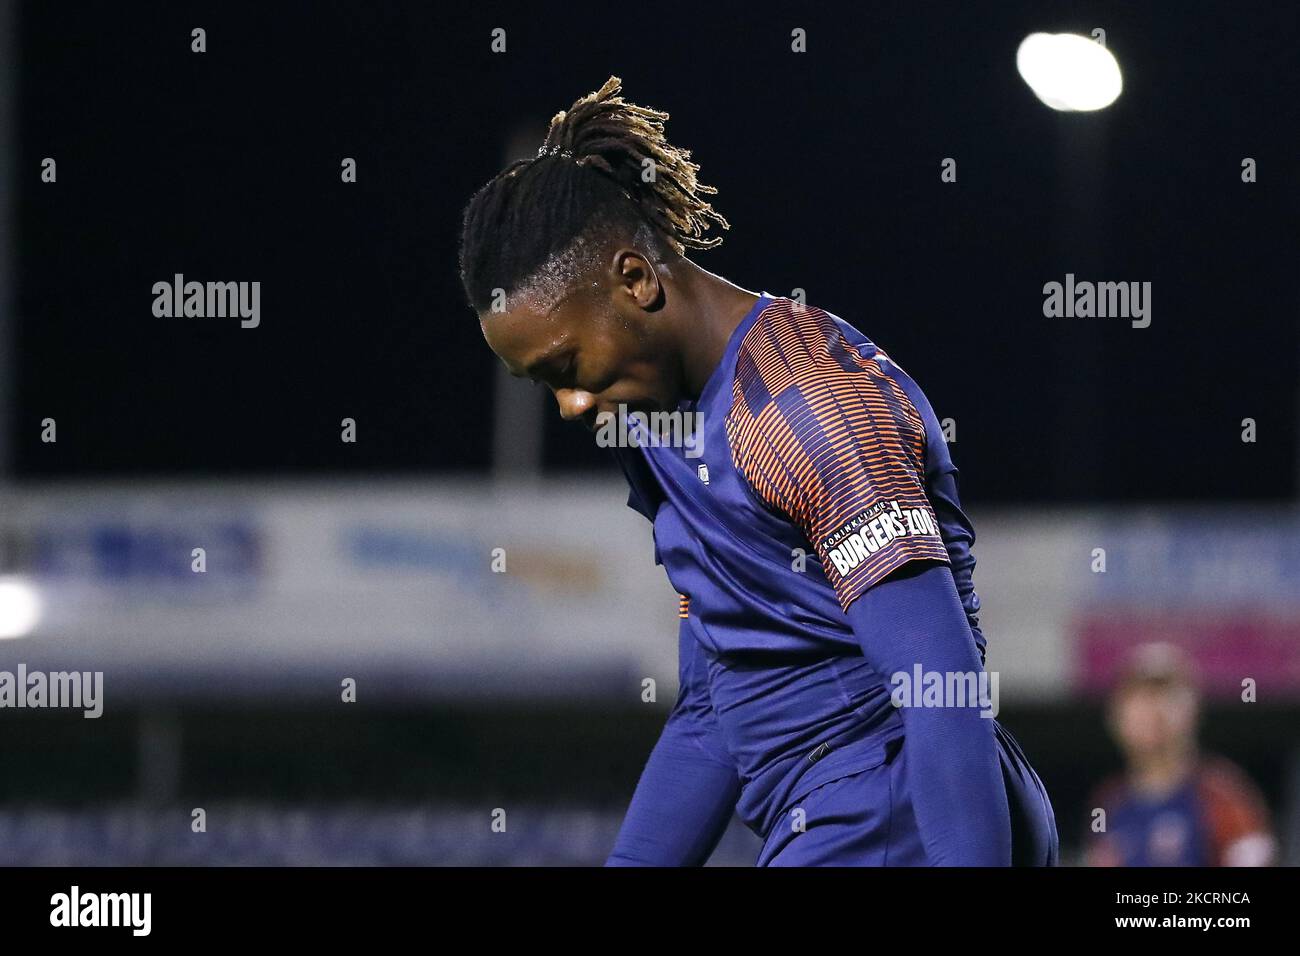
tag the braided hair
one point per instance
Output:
(604, 173)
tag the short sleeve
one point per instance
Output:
(825, 437)
(1238, 817)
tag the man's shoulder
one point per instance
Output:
(1220, 778)
(794, 345)
(790, 337)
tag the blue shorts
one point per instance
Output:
(858, 813)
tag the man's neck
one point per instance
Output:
(716, 309)
(1160, 774)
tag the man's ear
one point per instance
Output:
(636, 278)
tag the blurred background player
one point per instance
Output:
(1172, 805)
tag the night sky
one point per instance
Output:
(224, 166)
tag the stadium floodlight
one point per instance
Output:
(20, 607)
(1069, 72)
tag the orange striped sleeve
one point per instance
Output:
(1240, 832)
(826, 438)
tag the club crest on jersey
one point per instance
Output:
(874, 528)
(703, 472)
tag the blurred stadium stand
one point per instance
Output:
(223, 689)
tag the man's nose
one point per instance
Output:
(574, 403)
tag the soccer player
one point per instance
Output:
(1173, 805)
(811, 526)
